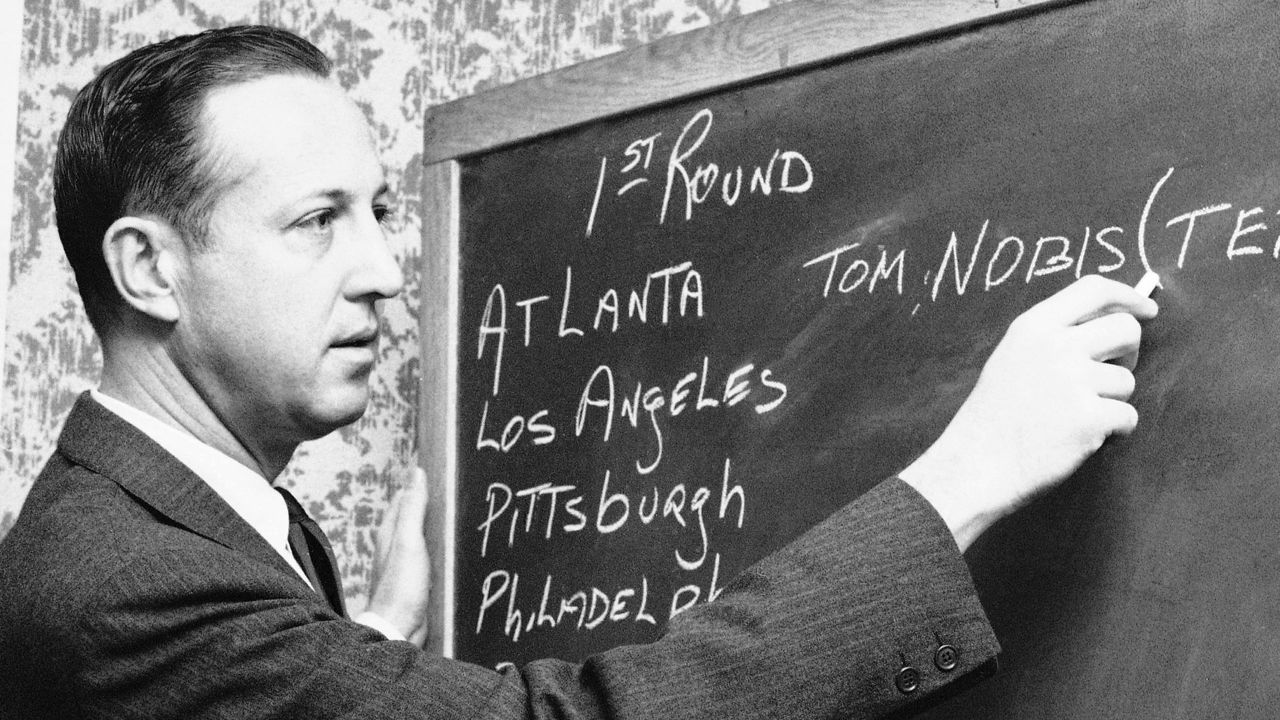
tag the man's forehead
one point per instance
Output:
(289, 126)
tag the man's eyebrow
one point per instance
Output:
(339, 195)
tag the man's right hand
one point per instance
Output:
(1053, 390)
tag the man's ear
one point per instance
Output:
(140, 254)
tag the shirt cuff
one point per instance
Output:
(371, 619)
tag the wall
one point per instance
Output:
(10, 45)
(397, 57)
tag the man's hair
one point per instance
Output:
(134, 142)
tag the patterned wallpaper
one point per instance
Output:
(397, 57)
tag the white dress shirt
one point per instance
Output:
(244, 489)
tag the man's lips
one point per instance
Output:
(366, 338)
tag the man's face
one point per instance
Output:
(278, 325)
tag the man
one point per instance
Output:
(220, 202)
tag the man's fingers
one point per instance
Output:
(1108, 337)
(412, 503)
(1112, 382)
(416, 493)
(406, 513)
(393, 510)
(1128, 361)
(1120, 418)
(1091, 297)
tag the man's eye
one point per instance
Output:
(383, 214)
(317, 222)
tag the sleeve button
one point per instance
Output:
(946, 658)
(907, 680)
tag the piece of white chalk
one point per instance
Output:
(1148, 284)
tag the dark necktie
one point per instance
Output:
(312, 551)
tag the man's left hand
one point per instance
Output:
(401, 572)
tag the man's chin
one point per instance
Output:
(336, 415)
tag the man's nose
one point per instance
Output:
(376, 271)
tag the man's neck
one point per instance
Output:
(154, 386)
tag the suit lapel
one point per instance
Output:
(107, 444)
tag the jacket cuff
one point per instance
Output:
(941, 640)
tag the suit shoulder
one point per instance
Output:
(70, 533)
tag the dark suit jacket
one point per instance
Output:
(129, 589)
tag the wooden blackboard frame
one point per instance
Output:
(781, 40)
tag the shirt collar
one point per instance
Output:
(245, 490)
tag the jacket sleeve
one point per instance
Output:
(868, 613)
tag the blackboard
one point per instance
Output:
(816, 325)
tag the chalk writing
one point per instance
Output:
(540, 431)
(983, 260)
(684, 301)
(689, 180)
(586, 608)
(601, 392)
(626, 416)
(859, 272)
(630, 497)
(674, 172)
(547, 510)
